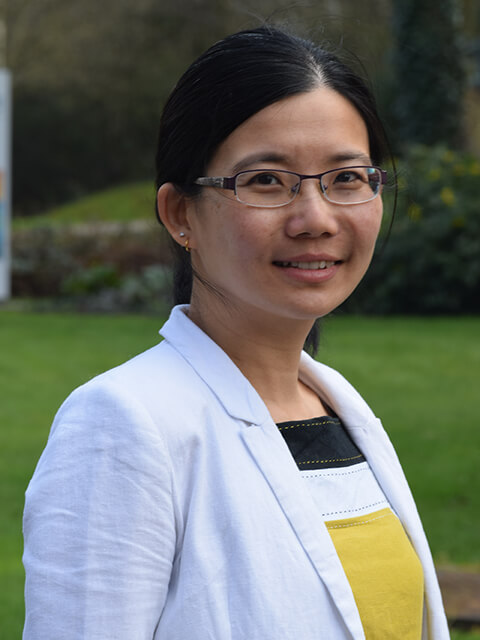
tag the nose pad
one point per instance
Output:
(296, 188)
(323, 189)
(316, 189)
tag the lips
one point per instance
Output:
(312, 265)
(309, 262)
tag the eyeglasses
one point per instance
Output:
(271, 188)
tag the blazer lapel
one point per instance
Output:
(368, 433)
(270, 452)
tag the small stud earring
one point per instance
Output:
(182, 234)
(187, 248)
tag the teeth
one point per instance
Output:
(318, 264)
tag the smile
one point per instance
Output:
(317, 264)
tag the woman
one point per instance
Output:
(223, 484)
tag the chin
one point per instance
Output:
(312, 309)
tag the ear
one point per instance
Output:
(174, 210)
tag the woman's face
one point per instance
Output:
(247, 252)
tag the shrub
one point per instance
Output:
(40, 262)
(101, 288)
(431, 262)
(104, 266)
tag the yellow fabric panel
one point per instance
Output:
(384, 572)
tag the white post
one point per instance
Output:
(5, 182)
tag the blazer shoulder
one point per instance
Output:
(153, 392)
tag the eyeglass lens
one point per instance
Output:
(351, 185)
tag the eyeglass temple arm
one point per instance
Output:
(219, 183)
(383, 179)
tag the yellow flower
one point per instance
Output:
(458, 222)
(475, 169)
(434, 174)
(448, 156)
(447, 196)
(414, 211)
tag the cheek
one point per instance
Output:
(245, 233)
(368, 227)
(225, 232)
(252, 238)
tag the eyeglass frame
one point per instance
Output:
(229, 182)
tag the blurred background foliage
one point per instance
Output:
(89, 82)
(430, 262)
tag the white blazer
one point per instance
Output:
(167, 506)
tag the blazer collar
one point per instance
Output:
(241, 401)
(336, 392)
(238, 397)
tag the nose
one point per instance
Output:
(311, 214)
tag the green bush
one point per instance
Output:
(431, 261)
(91, 280)
(102, 288)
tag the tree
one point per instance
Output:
(429, 71)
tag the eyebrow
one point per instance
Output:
(351, 155)
(279, 158)
(255, 158)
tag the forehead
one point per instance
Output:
(313, 127)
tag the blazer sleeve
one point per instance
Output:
(99, 522)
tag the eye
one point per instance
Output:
(347, 177)
(265, 178)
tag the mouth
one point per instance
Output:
(311, 266)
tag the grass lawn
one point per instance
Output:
(421, 376)
(118, 204)
(418, 374)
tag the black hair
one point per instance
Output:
(233, 80)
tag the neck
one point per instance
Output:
(267, 351)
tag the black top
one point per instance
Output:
(320, 443)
